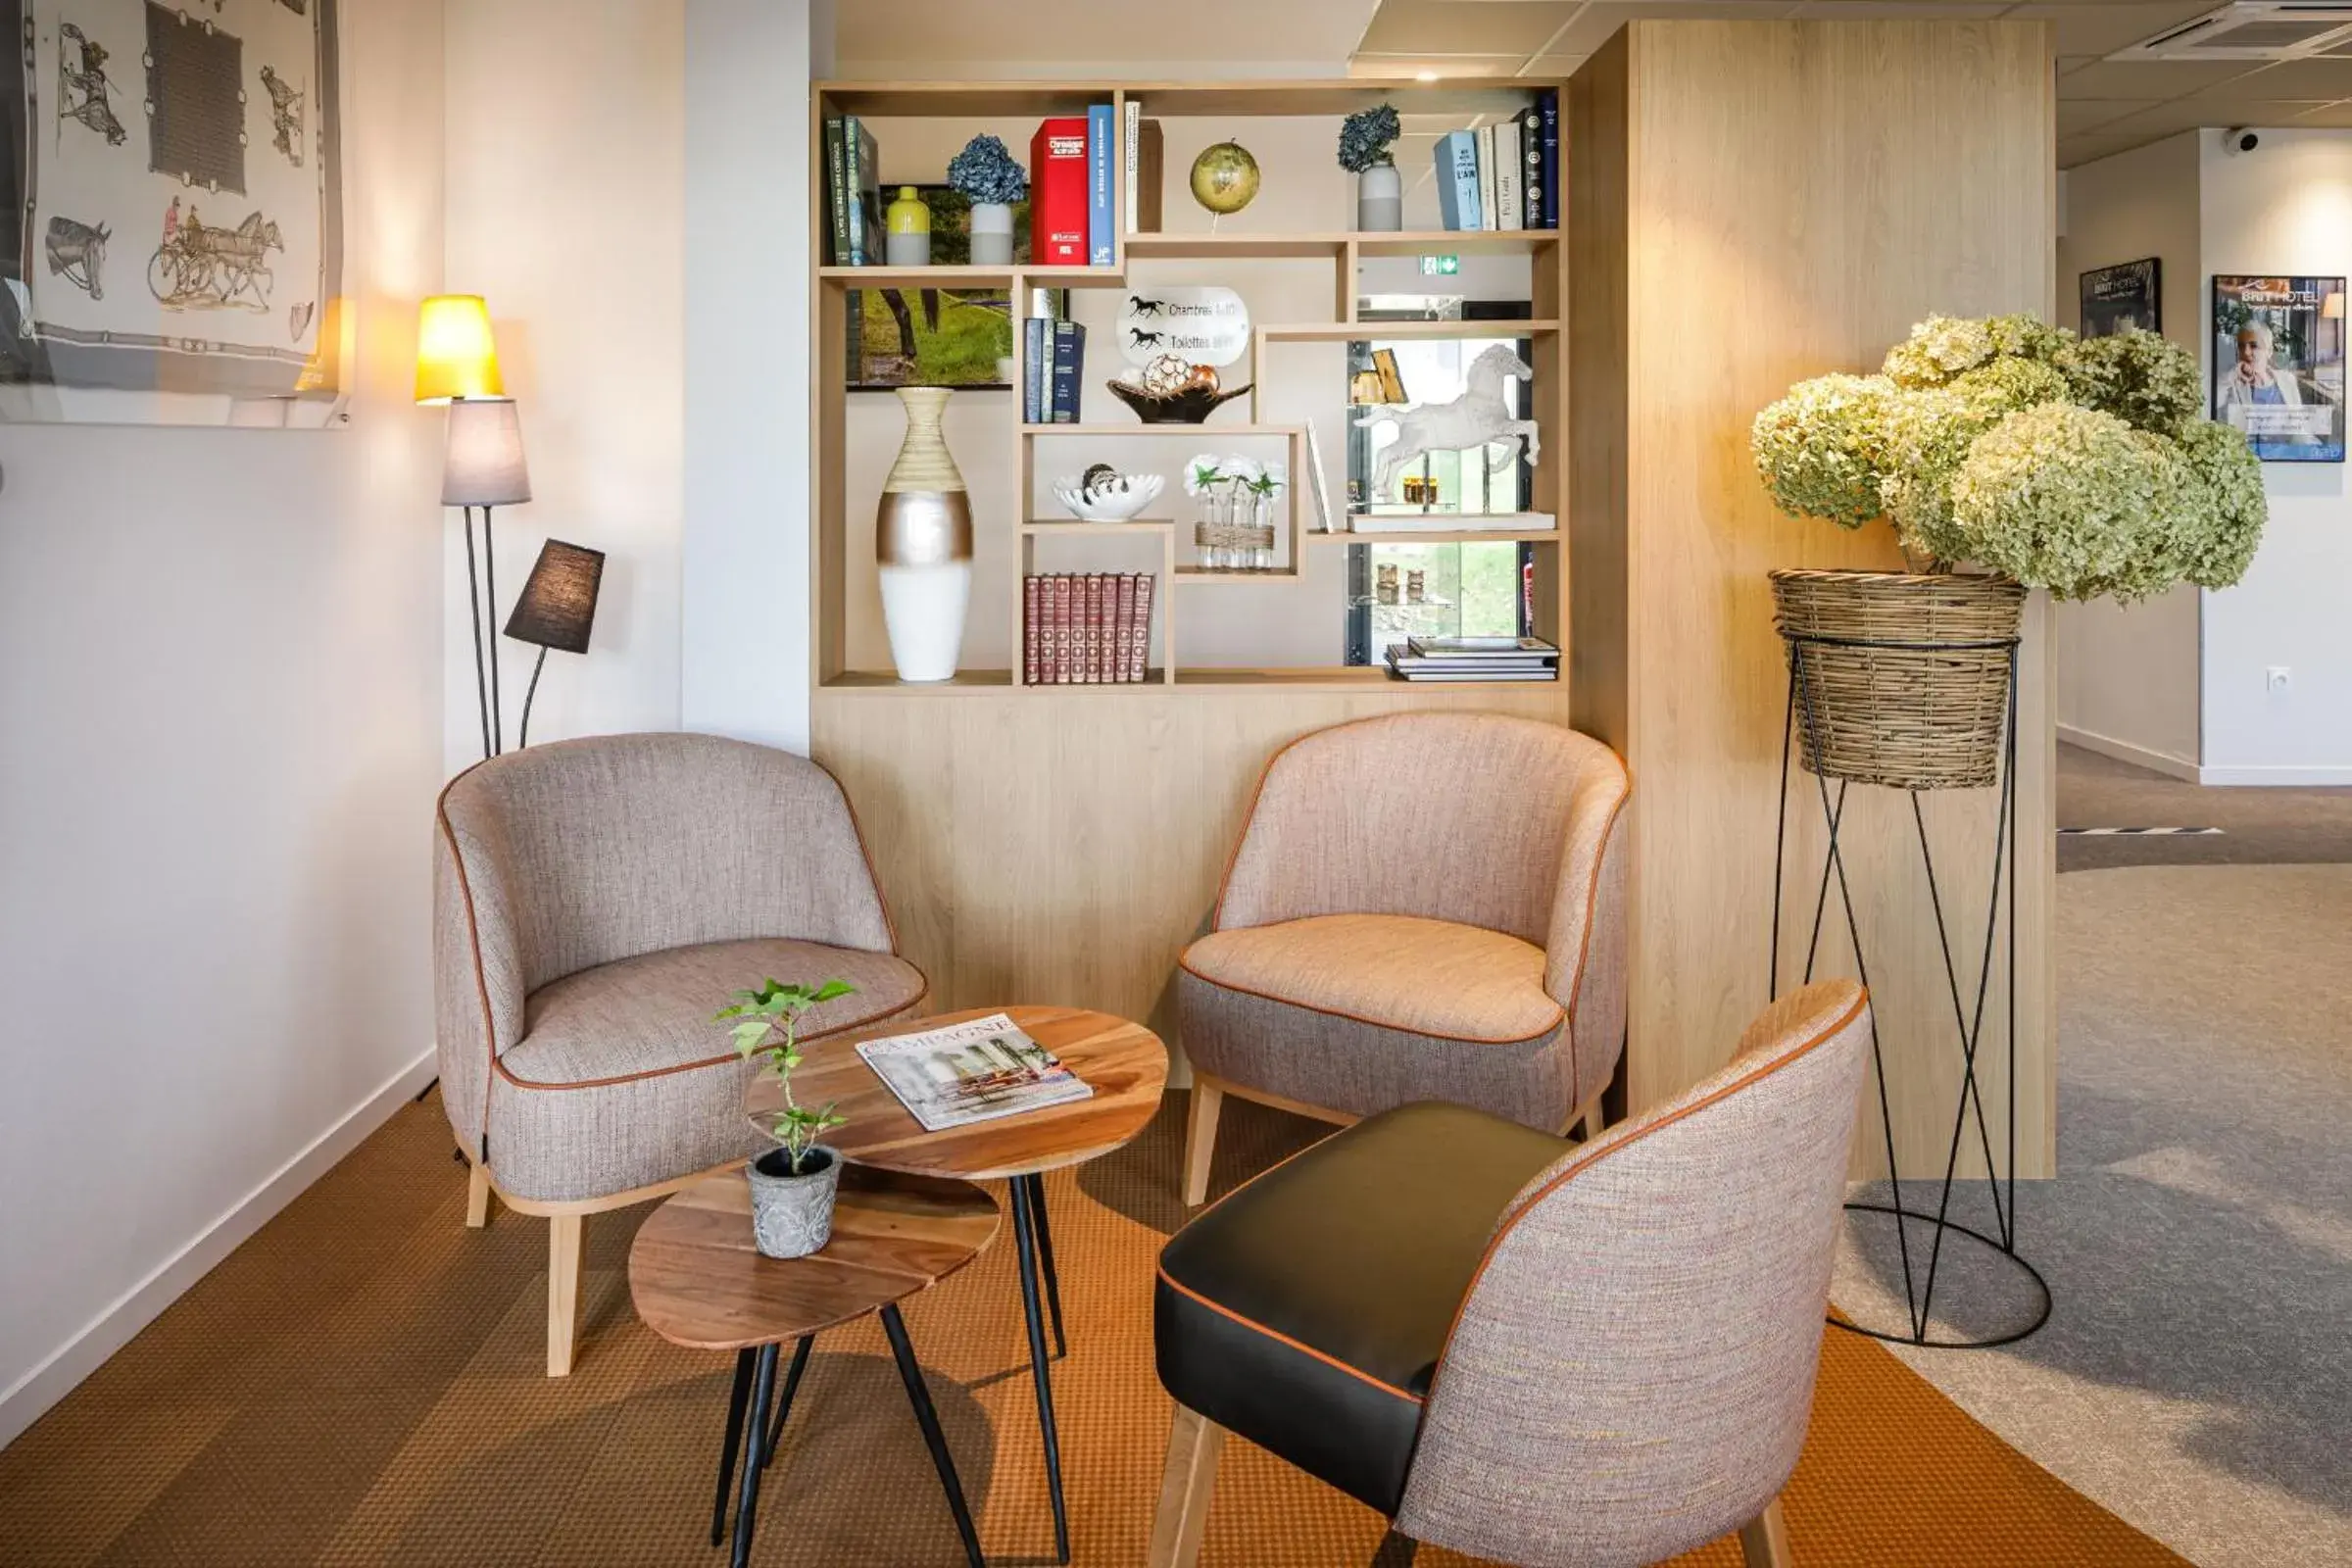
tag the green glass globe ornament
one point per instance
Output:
(1225, 178)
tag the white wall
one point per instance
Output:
(747, 328)
(219, 684)
(2284, 210)
(2127, 676)
(567, 210)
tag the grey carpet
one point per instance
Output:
(2194, 1376)
(2259, 826)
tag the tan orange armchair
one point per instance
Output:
(1422, 906)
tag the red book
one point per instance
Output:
(1139, 658)
(1122, 642)
(1061, 628)
(1058, 193)
(1028, 632)
(1089, 642)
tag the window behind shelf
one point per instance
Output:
(1477, 589)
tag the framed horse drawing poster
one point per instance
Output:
(171, 213)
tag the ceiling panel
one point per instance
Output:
(2086, 29)
(2301, 79)
(942, 36)
(1901, 8)
(1593, 26)
(1465, 27)
(2189, 114)
(2155, 79)
(2091, 146)
(2331, 116)
(1410, 66)
(2079, 115)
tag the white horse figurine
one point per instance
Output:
(1478, 418)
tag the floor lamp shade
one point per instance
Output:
(558, 607)
(456, 357)
(483, 464)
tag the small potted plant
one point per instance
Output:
(793, 1184)
(1365, 137)
(988, 178)
(2083, 467)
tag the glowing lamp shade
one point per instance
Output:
(456, 358)
(483, 465)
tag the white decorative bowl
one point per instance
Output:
(1120, 499)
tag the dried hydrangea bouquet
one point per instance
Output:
(2079, 466)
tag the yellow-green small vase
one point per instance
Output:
(907, 241)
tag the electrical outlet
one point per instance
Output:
(2276, 678)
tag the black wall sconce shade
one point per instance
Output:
(556, 609)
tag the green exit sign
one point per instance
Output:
(1440, 266)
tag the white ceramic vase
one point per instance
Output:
(1380, 200)
(924, 545)
(992, 234)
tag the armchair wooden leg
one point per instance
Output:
(1200, 1137)
(563, 1290)
(478, 1196)
(1193, 1443)
(1764, 1539)
(1594, 1122)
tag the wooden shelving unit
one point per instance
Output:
(1340, 250)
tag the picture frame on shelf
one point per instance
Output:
(2277, 357)
(933, 337)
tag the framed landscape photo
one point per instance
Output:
(2278, 364)
(2119, 298)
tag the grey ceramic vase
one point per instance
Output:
(792, 1216)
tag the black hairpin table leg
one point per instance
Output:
(747, 1500)
(1025, 1244)
(918, 1394)
(737, 1398)
(1036, 1186)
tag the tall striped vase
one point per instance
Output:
(923, 544)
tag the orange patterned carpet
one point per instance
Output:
(361, 1383)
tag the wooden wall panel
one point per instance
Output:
(1785, 199)
(1065, 847)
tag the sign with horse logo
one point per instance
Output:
(1199, 326)
(194, 147)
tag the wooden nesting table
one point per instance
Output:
(1124, 1064)
(698, 1281)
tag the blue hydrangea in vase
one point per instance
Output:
(989, 179)
(1365, 137)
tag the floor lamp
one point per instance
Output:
(556, 609)
(457, 367)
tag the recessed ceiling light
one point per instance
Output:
(1425, 76)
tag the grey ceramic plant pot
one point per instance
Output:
(792, 1216)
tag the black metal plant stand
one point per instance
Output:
(1919, 1284)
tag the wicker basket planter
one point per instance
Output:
(1901, 679)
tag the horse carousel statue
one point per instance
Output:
(1480, 418)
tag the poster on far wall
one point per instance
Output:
(2278, 364)
(2119, 298)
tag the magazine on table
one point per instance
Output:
(973, 1071)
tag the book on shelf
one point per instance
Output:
(1037, 368)
(1533, 207)
(1435, 522)
(1547, 108)
(855, 195)
(1139, 651)
(1509, 210)
(837, 203)
(1100, 221)
(1069, 368)
(1458, 179)
(1485, 179)
(1058, 193)
(1029, 660)
(1459, 659)
(973, 1071)
(1315, 478)
(1144, 165)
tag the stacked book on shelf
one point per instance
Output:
(1086, 629)
(1052, 365)
(1455, 658)
(853, 193)
(1504, 176)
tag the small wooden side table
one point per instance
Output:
(698, 1281)
(1124, 1064)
